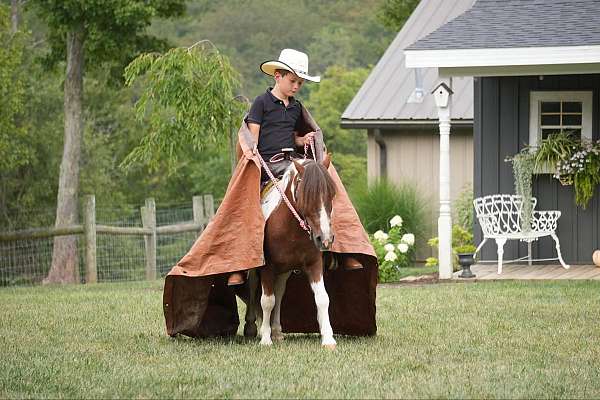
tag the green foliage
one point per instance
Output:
(586, 162)
(556, 147)
(348, 36)
(572, 160)
(524, 165)
(463, 208)
(394, 13)
(113, 29)
(328, 101)
(382, 200)
(353, 172)
(251, 32)
(192, 107)
(30, 131)
(465, 249)
(576, 162)
(394, 249)
(14, 151)
(462, 239)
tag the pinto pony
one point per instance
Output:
(289, 246)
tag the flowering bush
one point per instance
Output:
(394, 249)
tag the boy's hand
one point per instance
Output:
(308, 137)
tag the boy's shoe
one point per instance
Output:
(236, 278)
(351, 264)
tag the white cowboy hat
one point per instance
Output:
(291, 60)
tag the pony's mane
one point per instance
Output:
(317, 186)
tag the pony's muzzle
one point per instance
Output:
(323, 244)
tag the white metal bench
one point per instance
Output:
(500, 217)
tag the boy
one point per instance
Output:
(275, 115)
(274, 120)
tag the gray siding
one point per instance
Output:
(501, 128)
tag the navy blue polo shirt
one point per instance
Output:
(277, 122)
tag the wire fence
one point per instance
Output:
(27, 261)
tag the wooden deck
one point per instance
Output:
(539, 271)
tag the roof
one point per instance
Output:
(383, 98)
(514, 37)
(518, 23)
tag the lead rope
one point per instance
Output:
(303, 224)
(312, 148)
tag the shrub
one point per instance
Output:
(394, 249)
(382, 200)
(463, 208)
(461, 239)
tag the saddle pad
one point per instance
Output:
(270, 197)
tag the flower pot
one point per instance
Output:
(596, 257)
(466, 260)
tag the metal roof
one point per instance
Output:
(518, 23)
(382, 99)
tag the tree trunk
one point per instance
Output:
(65, 266)
(14, 15)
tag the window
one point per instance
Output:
(553, 112)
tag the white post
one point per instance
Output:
(443, 99)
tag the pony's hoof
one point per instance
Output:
(266, 342)
(330, 347)
(250, 330)
(277, 338)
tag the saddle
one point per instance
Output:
(277, 164)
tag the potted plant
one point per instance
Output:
(465, 259)
(523, 170)
(555, 149)
(571, 160)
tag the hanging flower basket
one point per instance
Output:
(566, 180)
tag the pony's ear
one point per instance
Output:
(326, 160)
(299, 167)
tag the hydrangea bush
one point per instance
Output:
(394, 249)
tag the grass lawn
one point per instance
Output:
(416, 271)
(465, 340)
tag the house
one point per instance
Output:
(396, 107)
(525, 57)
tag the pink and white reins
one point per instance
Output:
(302, 223)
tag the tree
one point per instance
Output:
(99, 32)
(394, 13)
(327, 102)
(13, 148)
(188, 100)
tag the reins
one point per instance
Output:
(275, 182)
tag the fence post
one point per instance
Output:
(209, 207)
(149, 222)
(89, 232)
(198, 211)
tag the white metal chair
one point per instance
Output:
(500, 217)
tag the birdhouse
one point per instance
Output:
(441, 94)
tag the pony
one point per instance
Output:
(289, 246)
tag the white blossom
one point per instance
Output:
(396, 221)
(403, 247)
(389, 247)
(380, 235)
(391, 256)
(408, 238)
